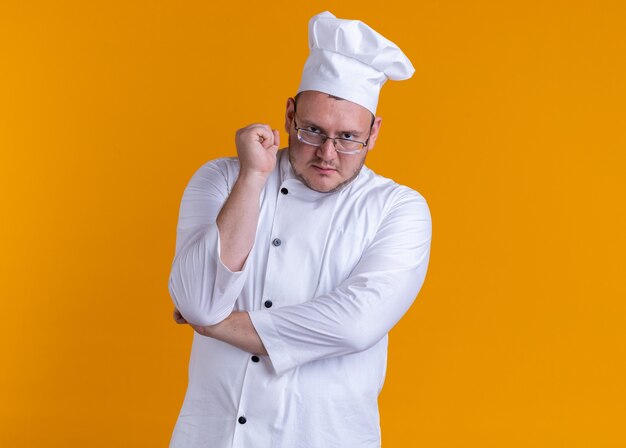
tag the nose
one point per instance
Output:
(326, 151)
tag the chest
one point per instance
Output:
(308, 244)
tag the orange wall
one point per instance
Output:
(513, 128)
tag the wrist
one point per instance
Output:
(251, 179)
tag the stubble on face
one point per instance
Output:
(319, 162)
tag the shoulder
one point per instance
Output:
(217, 173)
(224, 166)
(387, 195)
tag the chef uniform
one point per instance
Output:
(327, 278)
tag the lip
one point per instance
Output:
(321, 170)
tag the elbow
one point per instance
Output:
(198, 317)
(202, 288)
(194, 307)
(356, 338)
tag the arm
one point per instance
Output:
(236, 330)
(364, 307)
(355, 315)
(216, 233)
(238, 219)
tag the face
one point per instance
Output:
(322, 168)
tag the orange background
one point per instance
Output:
(513, 128)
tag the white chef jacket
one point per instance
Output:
(327, 278)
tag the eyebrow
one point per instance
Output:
(310, 123)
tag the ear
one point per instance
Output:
(289, 112)
(374, 134)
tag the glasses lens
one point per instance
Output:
(310, 137)
(341, 145)
(348, 147)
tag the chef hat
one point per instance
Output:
(350, 60)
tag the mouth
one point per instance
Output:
(324, 169)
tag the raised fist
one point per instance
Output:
(257, 145)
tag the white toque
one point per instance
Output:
(350, 60)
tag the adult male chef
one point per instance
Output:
(292, 265)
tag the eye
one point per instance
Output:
(313, 129)
(347, 136)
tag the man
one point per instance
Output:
(293, 265)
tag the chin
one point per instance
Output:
(327, 185)
(322, 187)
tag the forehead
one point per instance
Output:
(330, 112)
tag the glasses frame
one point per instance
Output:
(326, 137)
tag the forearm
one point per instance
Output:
(349, 319)
(236, 330)
(238, 219)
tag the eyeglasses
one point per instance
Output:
(317, 139)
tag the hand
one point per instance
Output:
(178, 318)
(257, 145)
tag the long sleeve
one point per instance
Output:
(363, 308)
(202, 288)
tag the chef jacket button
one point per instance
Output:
(284, 190)
(268, 304)
(277, 242)
(255, 358)
(242, 420)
